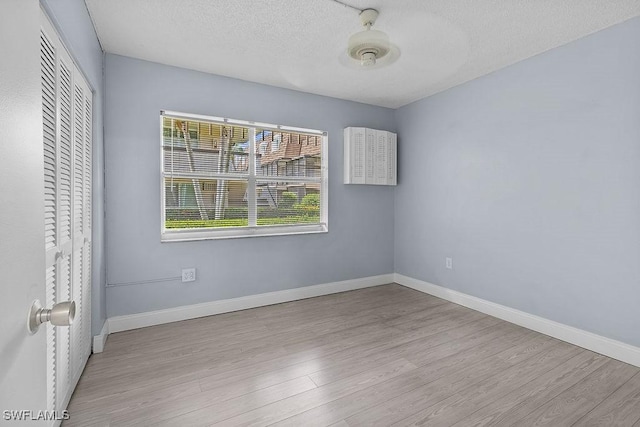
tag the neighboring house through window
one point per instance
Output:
(226, 178)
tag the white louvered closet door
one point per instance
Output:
(67, 143)
(81, 336)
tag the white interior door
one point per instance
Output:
(45, 219)
(67, 144)
(22, 356)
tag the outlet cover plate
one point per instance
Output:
(188, 275)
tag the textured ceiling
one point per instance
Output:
(297, 44)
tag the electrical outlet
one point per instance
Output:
(188, 274)
(448, 262)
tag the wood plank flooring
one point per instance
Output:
(379, 356)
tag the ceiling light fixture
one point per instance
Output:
(371, 48)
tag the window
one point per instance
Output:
(225, 178)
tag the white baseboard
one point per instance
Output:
(100, 339)
(158, 317)
(606, 346)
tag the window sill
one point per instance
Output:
(193, 234)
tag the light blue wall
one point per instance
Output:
(72, 20)
(360, 238)
(529, 178)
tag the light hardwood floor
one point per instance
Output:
(383, 356)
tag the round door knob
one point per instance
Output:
(61, 314)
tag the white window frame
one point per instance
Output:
(252, 230)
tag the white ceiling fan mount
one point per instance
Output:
(370, 48)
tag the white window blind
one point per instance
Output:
(225, 178)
